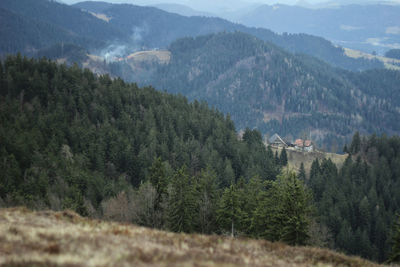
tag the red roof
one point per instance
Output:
(301, 143)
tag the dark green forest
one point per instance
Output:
(109, 129)
(30, 25)
(33, 25)
(265, 87)
(109, 149)
(393, 53)
(358, 202)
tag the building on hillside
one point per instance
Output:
(277, 141)
(303, 145)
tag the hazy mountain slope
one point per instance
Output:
(182, 10)
(25, 35)
(34, 238)
(365, 27)
(44, 23)
(262, 86)
(154, 28)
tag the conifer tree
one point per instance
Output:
(355, 144)
(207, 194)
(283, 157)
(302, 173)
(285, 211)
(229, 213)
(182, 206)
(158, 178)
(295, 209)
(395, 253)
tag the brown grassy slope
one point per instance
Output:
(64, 239)
(295, 158)
(390, 63)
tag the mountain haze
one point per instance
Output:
(32, 25)
(150, 28)
(263, 86)
(366, 27)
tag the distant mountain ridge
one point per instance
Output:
(263, 86)
(183, 10)
(132, 28)
(32, 25)
(158, 29)
(365, 27)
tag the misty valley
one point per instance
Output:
(248, 134)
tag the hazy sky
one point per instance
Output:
(191, 2)
(227, 5)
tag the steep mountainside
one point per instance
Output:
(32, 25)
(117, 30)
(34, 238)
(262, 86)
(154, 28)
(23, 34)
(182, 10)
(82, 139)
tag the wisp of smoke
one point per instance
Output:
(113, 52)
(116, 51)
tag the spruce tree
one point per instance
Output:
(355, 144)
(284, 211)
(395, 253)
(283, 157)
(295, 209)
(229, 213)
(181, 204)
(158, 178)
(302, 173)
(206, 196)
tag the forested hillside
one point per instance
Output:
(122, 29)
(30, 25)
(263, 86)
(393, 53)
(109, 149)
(358, 202)
(363, 26)
(154, 28)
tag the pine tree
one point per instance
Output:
(181, 204)
(158, 178)
(295, 209)
(229, 213)
(345, 149)
(207, 200)
(285, 210)
(276, 158)
(355, 146)
(283, 157)
(3, 89)
(302, 173)
(395, 253)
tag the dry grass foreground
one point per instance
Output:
(49, 238)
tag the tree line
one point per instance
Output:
(358, 203)
(108, 149)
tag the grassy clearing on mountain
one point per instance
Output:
(295, 158)
(64, 238)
